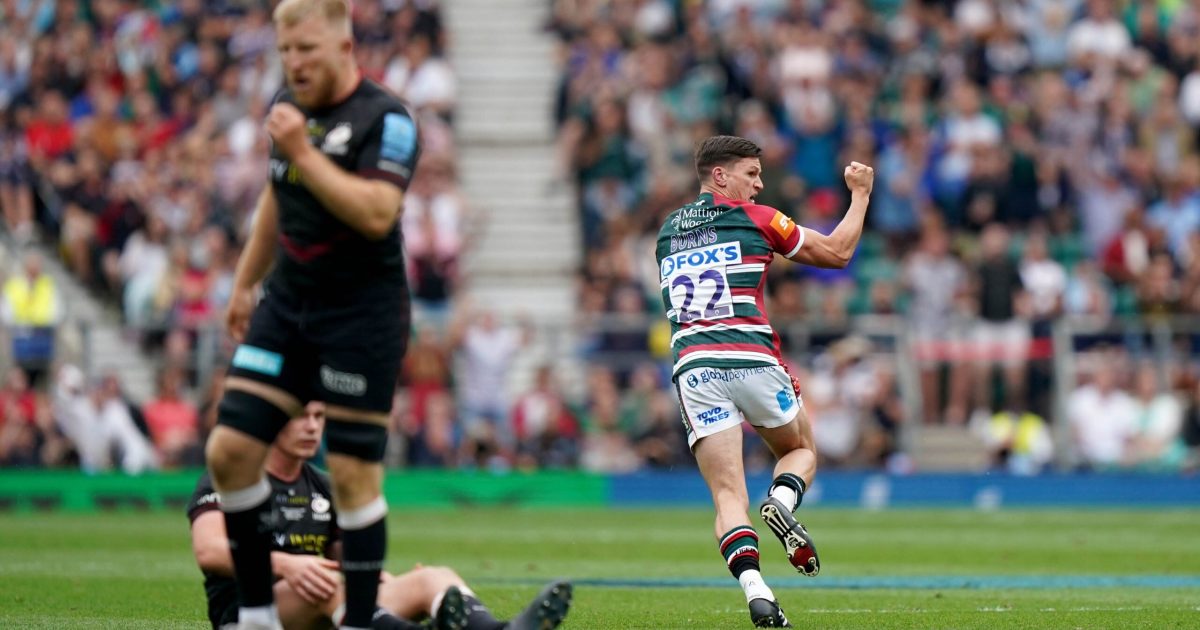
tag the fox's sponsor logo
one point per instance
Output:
(701, 258)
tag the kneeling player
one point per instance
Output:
(308, 589)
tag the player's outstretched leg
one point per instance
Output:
(547, 610)
(777, 513)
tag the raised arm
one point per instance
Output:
(835, 250)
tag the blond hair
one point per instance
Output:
(292, 12)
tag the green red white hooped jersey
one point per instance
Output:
(713, 256)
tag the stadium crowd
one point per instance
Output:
(1035, 158)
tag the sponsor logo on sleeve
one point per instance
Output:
(398, 145)
(399, 138)
(783, 224)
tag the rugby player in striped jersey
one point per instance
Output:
(713, 256)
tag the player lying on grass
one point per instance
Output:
(305, 550)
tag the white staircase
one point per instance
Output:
(526, 247)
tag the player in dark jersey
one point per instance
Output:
(304, 556)
(713, 256)
(333, 322)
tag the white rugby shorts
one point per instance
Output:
(715, 399)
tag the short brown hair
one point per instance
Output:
(291, 12)
(721, 150)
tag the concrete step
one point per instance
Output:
(499, 133)
(494, 7)
(534, 233)
(519, 194)
(493, 69)
(948, 448)
(507, 104)
(529, 156)
(518, 260)
(548, 303)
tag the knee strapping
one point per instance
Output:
(364, 441)
(251, 415)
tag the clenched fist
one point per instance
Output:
(860, 178)
(288, 129)
(237, 314)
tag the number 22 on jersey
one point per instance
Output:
(699, 283)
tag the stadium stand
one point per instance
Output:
(1009, 138)
(1053, 140)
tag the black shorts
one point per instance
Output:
(345, 352)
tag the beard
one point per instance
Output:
(317, 91)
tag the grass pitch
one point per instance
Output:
(660, 569)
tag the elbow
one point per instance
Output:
(379, 228)
(210, 560)
(839, 259)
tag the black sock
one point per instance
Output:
(478, 615)
(249, 533)
(385, 620)
(362, 560)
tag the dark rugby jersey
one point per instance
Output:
(372, 135)
(305, 524)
